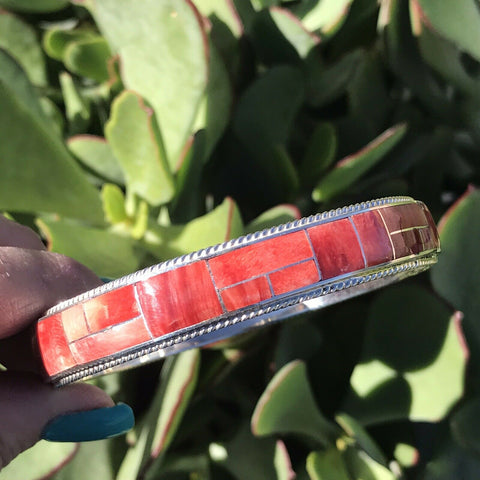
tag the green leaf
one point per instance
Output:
(14, 77)
(113, 203)
(455, 277)
(37, 173)
(89, 58)
(134, 138)
(34, 6)
(348, 170)
(20, 41)
(363, 467)
(413, 360)
(246, 456)
(221, 224)
(165, 61)
(106, 253)
(215, 107)
(223, 10)
(327, 465)
(92, 460)
(282, 462)
(273, 217)
(452, 461)
(446, 59)
(354, 430)
(177, 384)
(278, 412)
(325, 17)
(264, 117)
(458, 22)
(39, 462)
(294, 31)
(465, 424)
(320, 153)
(56, 40)
(97, 155)
(327, 83)
(77, 107)
(405, 60)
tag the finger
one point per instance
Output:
(15, 235)
(31, 410)
(32, 281)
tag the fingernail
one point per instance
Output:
(90, 425)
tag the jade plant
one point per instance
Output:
(135, 131)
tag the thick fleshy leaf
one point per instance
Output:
(166, 61)
(364, 467)
(20, 41)
(282, 462)
(215, 107)
(406, 455)
(264, 117)
(450, 462)
(223, 10)
(155, 433)
(421, 382)
(92, 460)
(446, 59)
(15, 78)
(320, 153)
(455, 277)
(40, 461)
(34, 6)
(465, 424)
(273, 217)
(354, 430)
(88, 58)
(37, 173)
(325, 17)
(95, 153)
(246, 456)
(77, 107)
(106, 253)
(134, 138)
(405, 60)
(56, 40)
(348, 170)
(295, 31)
(114, 203)
(458, 22)
(326, 465)
(217, 226)
(327, 83)
(287, 406)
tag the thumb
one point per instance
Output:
(30, 410)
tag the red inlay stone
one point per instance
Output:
(246, 293)
(296, 276)
(111, 308)
(259, 258)
(407, 243)
(375, 241)
(428, 238)
(74, 323)
(179, 298)
(336, 247)
(403, 216)
(433, 227)
(53, 345)
(113, 340)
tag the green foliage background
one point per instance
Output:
(134, 131)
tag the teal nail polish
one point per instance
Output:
(106, 279)
(90, 424)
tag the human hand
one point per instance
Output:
(31, 281)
